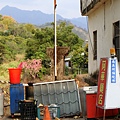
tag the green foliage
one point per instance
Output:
(2, 51)
(4, 75)
(8, 21)
(10, 47)
(44, 38)
(66, 71)
(33, 42)
(80, 58)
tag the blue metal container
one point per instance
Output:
(16, 94)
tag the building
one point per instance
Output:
(104, 29)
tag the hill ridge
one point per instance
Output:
(37, 17)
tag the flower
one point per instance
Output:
(31, 67)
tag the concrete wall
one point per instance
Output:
(102, 20)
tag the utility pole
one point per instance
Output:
(55, 47)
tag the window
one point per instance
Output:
(95, 45)
(116, 38)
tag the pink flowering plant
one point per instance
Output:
(31, 68)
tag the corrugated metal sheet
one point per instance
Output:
(62, 93)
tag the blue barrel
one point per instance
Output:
(16, 94)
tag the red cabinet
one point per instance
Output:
(93, 111)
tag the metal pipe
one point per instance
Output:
(55, 5)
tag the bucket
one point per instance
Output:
(14, 75)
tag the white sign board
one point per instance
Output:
(108, 95)
(112, 94)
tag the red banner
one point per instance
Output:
(102, 82)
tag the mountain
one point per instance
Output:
(82, 33)
(37, 17)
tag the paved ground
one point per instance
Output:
(7, 116)
(17, 117)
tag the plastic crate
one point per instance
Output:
(28, 109)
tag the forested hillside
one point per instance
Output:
(31, 42)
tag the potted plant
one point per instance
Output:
(30, 69)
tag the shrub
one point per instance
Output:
(31, 68)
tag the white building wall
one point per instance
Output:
(102, 20)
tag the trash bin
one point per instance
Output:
(54, 110)
(88, 104)
(16, 94)
(1, 102)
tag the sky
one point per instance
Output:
(65, 8)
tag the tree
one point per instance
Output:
(80, 58)
(8, 21)
(2, 51)
(44, 37)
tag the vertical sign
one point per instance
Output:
(102, 82)
(113, 71)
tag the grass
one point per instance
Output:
(4, 73)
